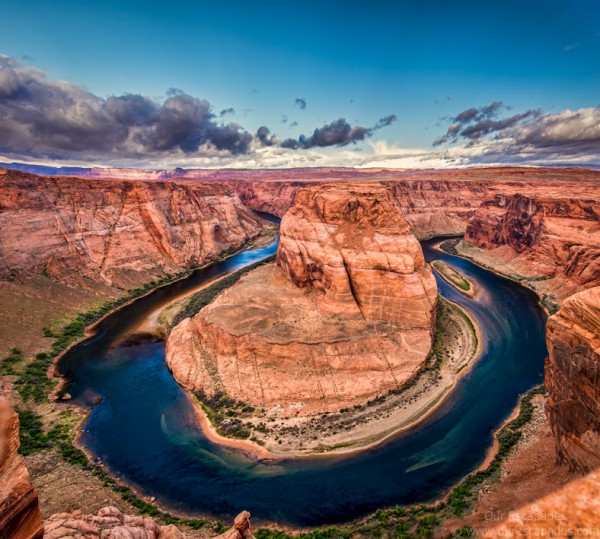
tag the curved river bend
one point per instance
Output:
(144, 428)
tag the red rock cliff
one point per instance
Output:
(573, 379)
(118, 232)
(542, 236)
(434, 202)
(20, 516)
(352, 243)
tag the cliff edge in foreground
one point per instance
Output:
(573, 379)
(20, 516)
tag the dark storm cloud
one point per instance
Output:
(263, 135)
(474, 123)
(300, 102)
(224, 112)
(42, 117)
(337, 133)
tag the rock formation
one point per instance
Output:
(346, 315)
(543, 237)
(352, 243)
(117, 232)
(434, 202)
(110, 523)
(20, 517)
(573, 379)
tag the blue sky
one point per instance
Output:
(423, 61)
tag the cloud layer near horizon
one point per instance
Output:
(529, 136)
(44, 118)
(50, 121)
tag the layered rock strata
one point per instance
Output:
(573, 380)
(345, 315)
(20, 516)
(120, 233)
(541, 237)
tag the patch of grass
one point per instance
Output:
(8, 363)
(225, 414)
(33, 382)
(31, 432)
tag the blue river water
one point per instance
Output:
(143, 428)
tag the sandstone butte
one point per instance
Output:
(347, 313)
(573, 379)
(20, 516)
(115, 232)
(552, 238)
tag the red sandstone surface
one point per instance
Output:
(546, 237)
(573, 380)
(116, 232)
(346, 315)
(20, 517)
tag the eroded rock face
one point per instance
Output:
(20, 516)
(352, 243)
(117, 232)
(542, 236)
(573, 379)
(346, 315)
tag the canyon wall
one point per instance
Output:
(20, 516)
(549, 238)
(346, 315)
(120, 233)
(434, 202)
(573, 379)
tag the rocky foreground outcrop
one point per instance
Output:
(543, 237)
(570, 512)
(20, 517)
(116, 232)
(345, 315)
(110, 523)
(573, 380)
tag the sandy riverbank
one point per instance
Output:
(361, 429)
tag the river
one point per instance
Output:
(144, 430)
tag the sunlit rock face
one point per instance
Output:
(551, 237)
(345, 315)
(20, 516)
(352, 243)
(116, 232)
(573, 379)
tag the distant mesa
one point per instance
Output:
(345, 315)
